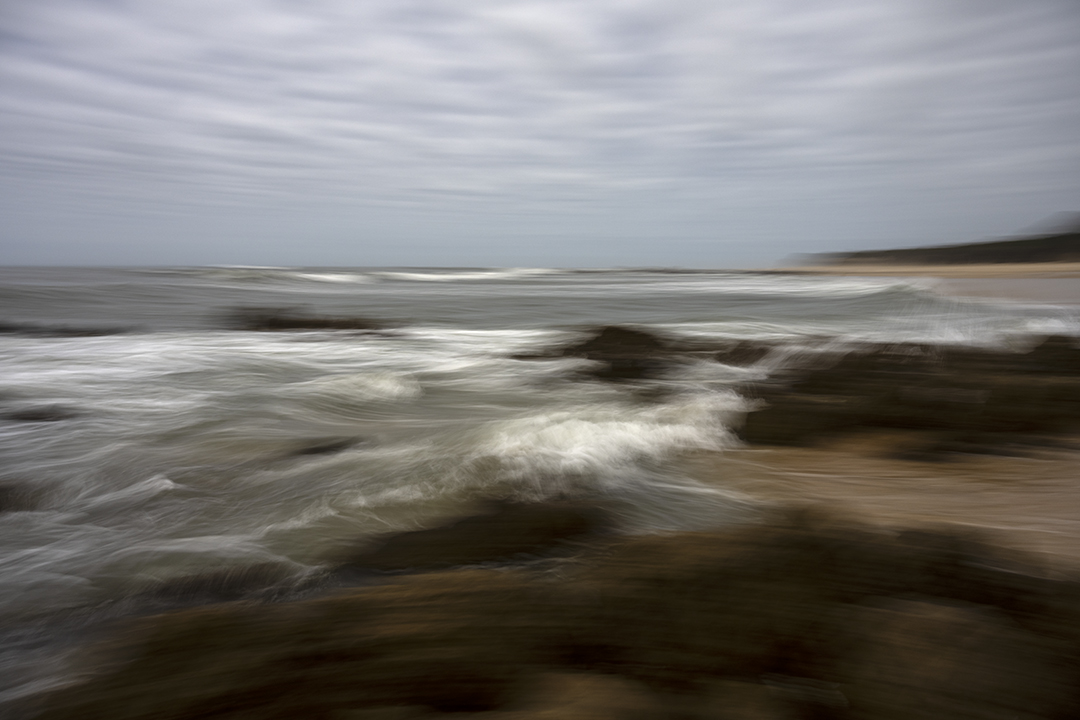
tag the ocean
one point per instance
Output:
(145, 438)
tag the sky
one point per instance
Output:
(592, 133)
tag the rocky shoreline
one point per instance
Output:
(546, 611)
(805, 616)
(959, 400)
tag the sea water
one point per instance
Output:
(183, 445)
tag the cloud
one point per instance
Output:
(545, 104)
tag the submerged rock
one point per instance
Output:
(327, 446)
(16, 497)
(41, 413)
(283, 319)
(34, 330)
(507, 531)
(233, 583)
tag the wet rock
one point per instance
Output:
(579, 696)
(16, 497)
(392, 712)
(806, 617)
(954, 393)
(42, 413)
(627, 353)
(33, 330)
(452, 642)
(617, 341)
(284, 319)
(622, 353)
(732, 699)
(770, 599)
(922, 660)
(801, 419)
(226, 585)
(1057, 355)
(327, 446)
(505, 532)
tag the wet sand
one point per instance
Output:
(1027, 503)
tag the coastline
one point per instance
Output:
(1057, 283)
(907, 493)
(982, 270)
(1029, 503)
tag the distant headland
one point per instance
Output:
(1053, 251)
(1063, 245)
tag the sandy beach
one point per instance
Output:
(1028, 503)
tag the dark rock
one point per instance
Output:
(44, 413)
(616, 341)
(806, 617)
(584, 696)
(763, 600)
(220, 586)
(16, 497)
(622, 353)
(34, 330)
(921, 660)
(452, 642)
(801, 419)
(327, 446)
(509, 530)
(1057, 354)
(743, 353)
(950, 392)
(283, 319)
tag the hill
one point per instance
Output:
(1060, 246)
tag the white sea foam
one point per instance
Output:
(599, 439)
(335, 277)
(465, 275)
(386, 386)
(131, 495)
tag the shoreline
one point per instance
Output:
(1028, 503)
(987, 270)
(1056, 283)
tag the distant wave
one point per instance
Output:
(459, 275)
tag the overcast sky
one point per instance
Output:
(728, 133)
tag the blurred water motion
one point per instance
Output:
(184, 437)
